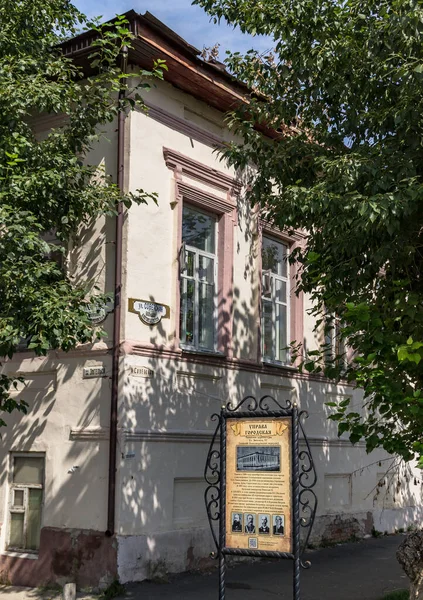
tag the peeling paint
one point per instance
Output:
(85, 557)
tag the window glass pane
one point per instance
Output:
(198, 229)
(280, 291)
(328, 343)
(267, 331)
(273, 256)
(205, 316)
(28, 470)
(18, 498)
(206, 269)
(34, 519)
(189, 264)
(267, 283)
(16, 530)
(281, 328)
(187, 311)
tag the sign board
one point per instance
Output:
(258, 484)
(96, 314)
(91, 372)
(143, 372)
(149, 312)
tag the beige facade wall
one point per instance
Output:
(166, 413)
(165, 410)
(67, 424)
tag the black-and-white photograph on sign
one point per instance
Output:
(236, 522)
(258, 458)
(278, 524)
(264, 524)
(250, 523)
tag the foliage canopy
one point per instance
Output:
(343, 84)
(45, 183)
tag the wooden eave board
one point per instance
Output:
(190, 81)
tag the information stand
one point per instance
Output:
(260, 484)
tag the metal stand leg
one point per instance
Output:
(222, 572)
(296, 582)
(222, 529)
(296, 502)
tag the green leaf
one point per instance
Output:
(51, 185)
(330, 145)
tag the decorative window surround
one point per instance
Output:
(205, 200)
(296, 302)
(184, 165)
(225, 211)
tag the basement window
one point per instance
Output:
(26, 501)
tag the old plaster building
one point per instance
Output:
(104, 476)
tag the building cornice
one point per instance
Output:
(172, 353)
(183, 126)
(89, 433)
(207, 81)
(205, 436)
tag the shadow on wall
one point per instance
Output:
(165, 429)
(68, 421)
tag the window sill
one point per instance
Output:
(280, 365)
(188, 350)
(22, 554)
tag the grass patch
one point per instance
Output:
(115, 589)
(397, 595)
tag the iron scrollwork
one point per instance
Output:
(307, 496)
(260, 406)
(304, 478)
(212, 475)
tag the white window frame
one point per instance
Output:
(335, 345)
(269, 279)
(195, 345)
(22, 509)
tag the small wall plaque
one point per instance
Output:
(98, 314)
(91, 372)
(149, 312)
(142, 372)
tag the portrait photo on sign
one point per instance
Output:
(264, 524)
(278, 525)
(236, 522)
(250, 524)
(258, 458)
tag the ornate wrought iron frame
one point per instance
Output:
(304, 477)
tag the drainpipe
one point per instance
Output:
(117, 310)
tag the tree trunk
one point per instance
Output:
(410, 557)
(416, 590)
